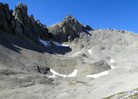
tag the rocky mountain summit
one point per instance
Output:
(68, 29)
(65, 60)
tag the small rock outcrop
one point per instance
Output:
(66, 30)
(87, 27)
(99, 66)
(94, 68)
(43, 70)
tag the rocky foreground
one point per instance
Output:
(65, 60)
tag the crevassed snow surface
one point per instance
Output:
(46, 43)
(58, 44)
(73, 74)
(98, 75)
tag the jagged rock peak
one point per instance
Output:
(70, 20)
(18, 22)
(22, 6)
(68, 17)
(20, 12)
(67, 29)
(5, 5)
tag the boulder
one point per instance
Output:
(43, 69)
(99, 66)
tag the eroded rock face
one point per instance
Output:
(30, 27)
(20, 13)
(71, 22)
(66, 30)
(5, 18)
(19, 23)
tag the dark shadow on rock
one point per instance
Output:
(8, 42)
(88, 33)
(53, 49)
(12, 42)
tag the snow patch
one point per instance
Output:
(112, 61)
(65, 45)
(56, 73)
(113, 67)
(73, 74)
(98, 75)
(58, 44)
(53, 76)
(46, 43)
(89, 51)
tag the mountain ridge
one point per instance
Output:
(65, 60)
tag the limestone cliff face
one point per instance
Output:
(20, 24)
(6, 18)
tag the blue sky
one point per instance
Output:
(118, 14)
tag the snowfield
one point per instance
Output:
(73, 74)
(98, 75)
(47, 43)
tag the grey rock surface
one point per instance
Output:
(66, 30)
(19, 23)
(109, 56)
(87, 27)
(27, 25)
(99, 66)
(20, 13)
